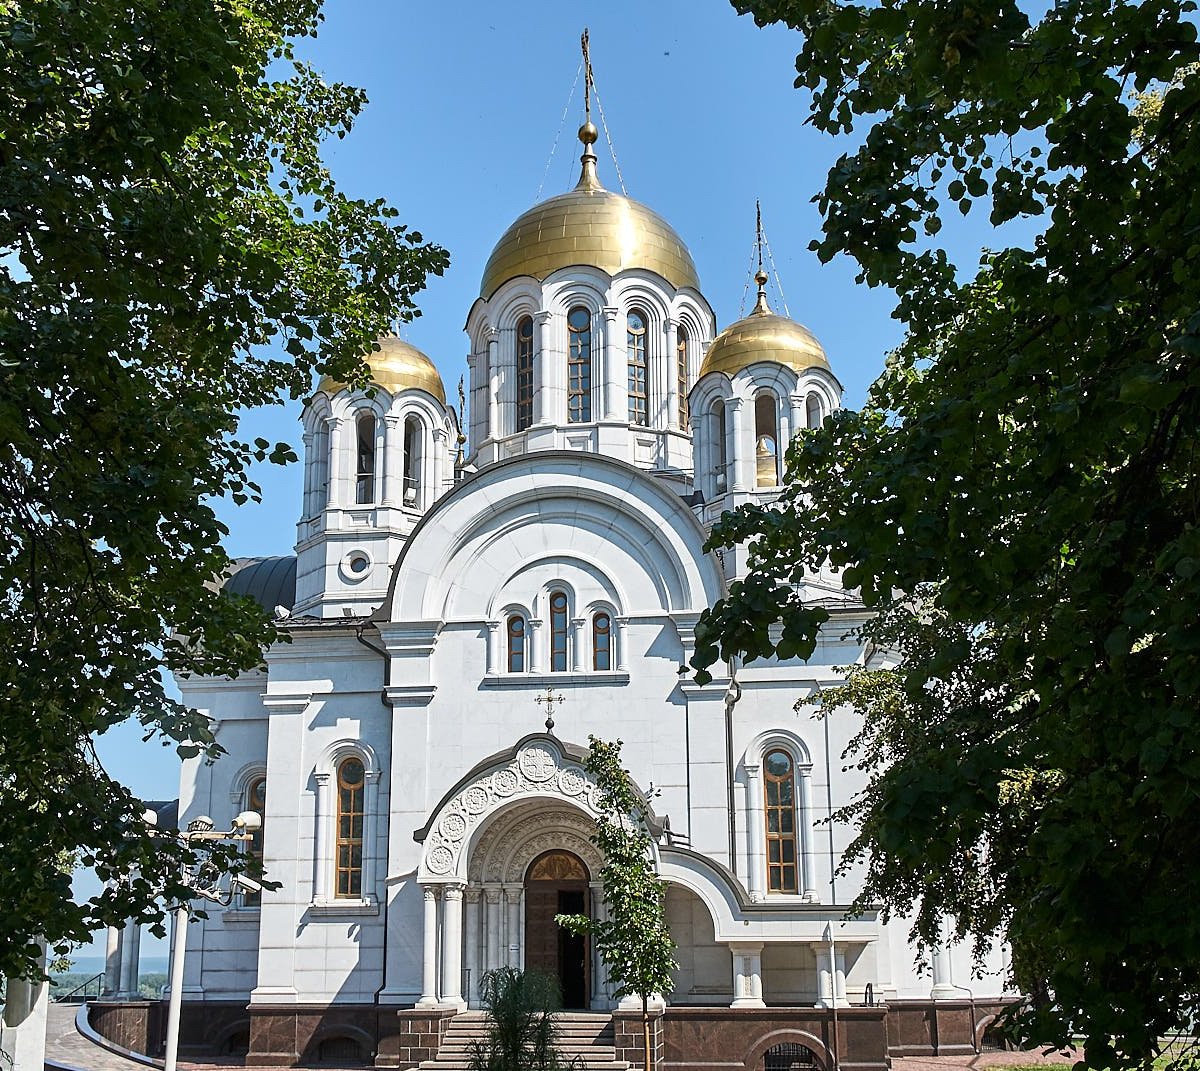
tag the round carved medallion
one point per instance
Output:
(453, 826)
(572, 781)
(537, 764)
(440, 860)
(504, 782)
(475, 799)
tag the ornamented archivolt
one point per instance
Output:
(517, 837)
(537, 770)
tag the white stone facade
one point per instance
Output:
(401, 658)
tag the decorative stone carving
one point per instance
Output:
(537, 770)
(537, 763)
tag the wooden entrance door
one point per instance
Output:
(557, 884)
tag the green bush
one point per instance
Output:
(521, 1031)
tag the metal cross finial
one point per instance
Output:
(587, 75)
(758, 230)
(550, 699)
(462, 438)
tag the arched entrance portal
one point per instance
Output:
(556, 883)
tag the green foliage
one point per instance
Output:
(172, 250)
(1019, 500)
(634, 941)
(521, 1031)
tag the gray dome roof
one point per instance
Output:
(270, 582)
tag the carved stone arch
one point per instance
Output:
(520, 831)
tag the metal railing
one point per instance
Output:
(89, 988)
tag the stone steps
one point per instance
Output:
(584, 1039)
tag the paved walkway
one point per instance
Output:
(67, 1048)
(982, 1061)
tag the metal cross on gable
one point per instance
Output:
(550, 699)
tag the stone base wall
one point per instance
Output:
(629, 1039)
(938, 1028)
(288, 1035)
(409, 1035)
(137, 1025)
(738, 1038)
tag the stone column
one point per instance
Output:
(494, 928)
(495, 660)
(340, 459)
(754, 831)
(393, 461)
(796, 411)
(371, 781)
(535, 656)
(310, 464)
(616, 399)
(130, 956)
(23, 1035)
(939, 961)
(739, 465)
(600, 998)
(324, 838)
(621, 636)
(808, 883)
(493, 352)
(579, 644)
(474, 961)
(543, 409)
(452, 940)
(831, 978)
(429, 949)
(512, 895)
(747, 976)
(112, 962)
(437, 473)
(671, 380)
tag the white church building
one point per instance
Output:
(423, 823)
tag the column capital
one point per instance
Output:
(492, 893)
(429, 892)
(452, 892)
(322, 777)
(493, 626)
(472, 894)
(753, 769)
(543, 316)
(610, 311)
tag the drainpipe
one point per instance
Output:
(732, 694)
(387, 679)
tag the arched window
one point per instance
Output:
(516, 644)
(601, 641)
(365, 465)
(579, 366)
(256, 801)
(524, 372)
(351, 782)
(721, 453)
(814, 410)
(681, 375)
(766, 448)
(780, 788)
(413, 441)
(635, 351)
(558, 632)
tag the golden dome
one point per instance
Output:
(592, 226)
(763, 336)
(397, 365)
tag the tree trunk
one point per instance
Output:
(646, 1035)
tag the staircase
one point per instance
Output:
(584, 1040)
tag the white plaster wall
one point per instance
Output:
(705, 973)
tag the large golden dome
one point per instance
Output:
(764, 336)
(591, 226)
(397, 365)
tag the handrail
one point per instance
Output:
(81, 989)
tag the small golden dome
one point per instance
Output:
(590, 226)
(764, 336)
(397, 365)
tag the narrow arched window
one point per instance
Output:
(524, 373)
(516, 644)
(681, 376)
(321, 467)
(635, 353)
(365, 465)
(814, 411)
(766, 441)
(256, 801)
(721, 454)
(351, 782)
(413, 441)
(601, 641)
(579, 366)
(779, 783)
(558, 632)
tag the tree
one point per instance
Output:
(634, 940)
(521, 1032)
(173, 251)
(1019, 499)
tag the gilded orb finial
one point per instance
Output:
(588, 133)
(761, 306)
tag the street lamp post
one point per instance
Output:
(201, 829)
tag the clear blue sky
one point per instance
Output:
(465, 104)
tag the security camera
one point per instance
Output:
(247, 885)
(250, 821)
